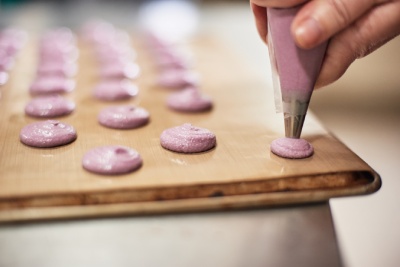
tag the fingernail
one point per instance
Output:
(308, 33)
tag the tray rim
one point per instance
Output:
(222, 203)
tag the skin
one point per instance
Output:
(355, 28)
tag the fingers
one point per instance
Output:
(356, 28)
(260, 16)
(318, 20)
(369, 32)
(259, 10)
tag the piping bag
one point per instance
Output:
(294, 70)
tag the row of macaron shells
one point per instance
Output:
(57, 56)
(174, 68)
(11, 42)
(117, 67)
(56, 67)
(175, 72)
(116, 63)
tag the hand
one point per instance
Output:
(356, 28)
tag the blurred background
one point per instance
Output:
(362, 109)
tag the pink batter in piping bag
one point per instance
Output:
(295, 70)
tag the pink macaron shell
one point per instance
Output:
(56, 47)
(62, 35)
(96, 29)
(111, 90)
(58, 51)
(8, 47)
(3, 77)
(112, 160)
(187, 138)
(54, 68)
(292, 148)
(51, 85)
(12, 40)
(177, 78)
(167, 60)
(119, 70)
(50, 133)
(107, 54)
(189, 100)
(6, 61)
(123, 117)
(50, 106)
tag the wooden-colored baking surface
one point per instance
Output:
(240, 172)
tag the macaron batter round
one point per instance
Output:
(123, 117)
(292, 148)
(112, 160)
(187, 138)
(50, 133)
(117, 89)
(49, 106)
(189, 100)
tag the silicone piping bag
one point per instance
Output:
(294, 70)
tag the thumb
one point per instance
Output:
(318, 20)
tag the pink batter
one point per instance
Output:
(166, 59)
(110, 90)
(123, 117)
(51, 85)
(53, 68)
(57, 41)
(187, 138)
(166, 55)
(189, 100)
(50, 133)
(114, 54)
(177, 78)
(292, 148)
(120, 70)
(3, 77)
(12, 40)
(6, 61)
(112, 160)
(52, 54)
(297, 68)
(49, 106)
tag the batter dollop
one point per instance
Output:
(6, 61)
(50, 133)
(292, 148)
(112, 160)
(123, 117)
(54, 68)
(3, 77)
(177, 78)
(189, 100)
(167, 59)
(49, 106)
(187, 138)
(51, 85)
(120, 70)
(110, 90)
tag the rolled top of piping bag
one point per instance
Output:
(295, 70)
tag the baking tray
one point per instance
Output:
(240, 172)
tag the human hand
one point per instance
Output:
(355, 28)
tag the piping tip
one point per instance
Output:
(293, 125)
(294, 116)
